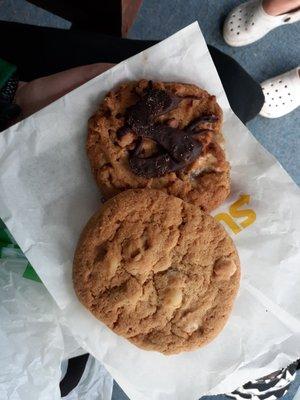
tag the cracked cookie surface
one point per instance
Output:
(205, 182)
(157, 271)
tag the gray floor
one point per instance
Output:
(26, 13)
(278, 52)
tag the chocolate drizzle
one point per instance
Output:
(155, 166)
(198, 123)
(176, 147)
(154, 103)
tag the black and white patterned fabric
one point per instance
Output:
(270, 387)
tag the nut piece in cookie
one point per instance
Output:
(157, 271)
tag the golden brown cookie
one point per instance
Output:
(120, 151)
(157, 270)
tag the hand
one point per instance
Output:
(34, 95)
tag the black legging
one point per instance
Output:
(39, 51)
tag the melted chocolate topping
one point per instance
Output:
(202, 120)
(155, 166)
(154, 103)
(176, 147)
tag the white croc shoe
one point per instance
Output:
(282, 94)
(249, 22)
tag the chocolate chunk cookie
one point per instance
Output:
(157, 270)
(160, 135)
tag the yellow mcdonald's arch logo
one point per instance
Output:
(236, 212)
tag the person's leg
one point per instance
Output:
(245, 95)
(39, 51)
(251, 21)
(113, 17)
(130, 9)
(278, 7)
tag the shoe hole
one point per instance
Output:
(285, 86)
(276, 90)
(289, 94)
(246, 22)
(280, 81)
(231, 30)
(283, 104)
(287, 19)
(238, 33)
(280, 97)
(272, 98)
(276, 105)
(252, 23)
(239, 26)
(233, 15)
(268, 93)
(231, 22)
